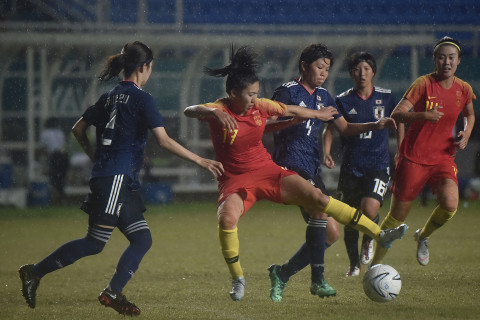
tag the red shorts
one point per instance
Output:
(265, 183)
(410, 177)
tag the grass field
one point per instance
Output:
(184, 276)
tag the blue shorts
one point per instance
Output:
(112, 202)
(351, 189)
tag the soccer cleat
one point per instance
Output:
(29, 284)
(277, 285)
(423, 257)
(366, 253)
(238, 288)
(353, 271)
(118, 302)
(322, 289)
(388, 236)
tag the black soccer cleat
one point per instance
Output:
(29, 284)
(118, 302)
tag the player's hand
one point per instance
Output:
(215, 167)
(461, 140)
(225, 119)
(434, 114)
(328, 161)
(326, 114)
(385, 123)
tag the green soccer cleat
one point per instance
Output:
(322, 289)
(277, 285)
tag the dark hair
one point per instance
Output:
(133, 55)
(361, 56)
(450, 41)
(241, 72)
(312, 53)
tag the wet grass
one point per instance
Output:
(184, 276)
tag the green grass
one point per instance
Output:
(184, 276)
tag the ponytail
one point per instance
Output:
(241, 72)
(133, 55)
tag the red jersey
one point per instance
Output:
(242, 150)
(427, 142)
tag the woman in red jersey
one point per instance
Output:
(427, 153)
(236, 126)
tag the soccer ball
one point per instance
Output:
(382, 283)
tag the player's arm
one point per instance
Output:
(203, 112)
(79, 131)
(402, 113)
(324, 114)
(327, 139)
(164, 141)
(274, 124)
(468, 122)
(349, 129)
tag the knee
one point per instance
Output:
(227, 221)
(94, 246)
(142, 240)
(448, 203)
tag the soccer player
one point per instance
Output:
(365, 170)
(431, 107)
(122, 117)
(297, 148)
(236, 124)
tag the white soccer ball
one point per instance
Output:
(382, 283)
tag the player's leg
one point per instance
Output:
(101, 225)
(398, 213)
(228, 214)
(447, 197)
(296, 190)
(140, 238)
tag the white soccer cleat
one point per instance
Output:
(353, 271)
(366, 253)
(388, 236)
(238, 288)
(423, 257)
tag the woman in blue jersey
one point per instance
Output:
(122, 117)
(365, 170)
(297, 148)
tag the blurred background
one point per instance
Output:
(52, 52)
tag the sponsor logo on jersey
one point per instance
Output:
(302, 104)
(353, 111)
(379, 112)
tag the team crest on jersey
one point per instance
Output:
(458, 96)
(319, 104)
(378, 101)
(379, 112)
(257, 119)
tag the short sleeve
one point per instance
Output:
(152, 116)
(270, 107)
(282, 94)
(416, 92)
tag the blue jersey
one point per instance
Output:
(297, 147)
(122, 117)
(367, 151)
